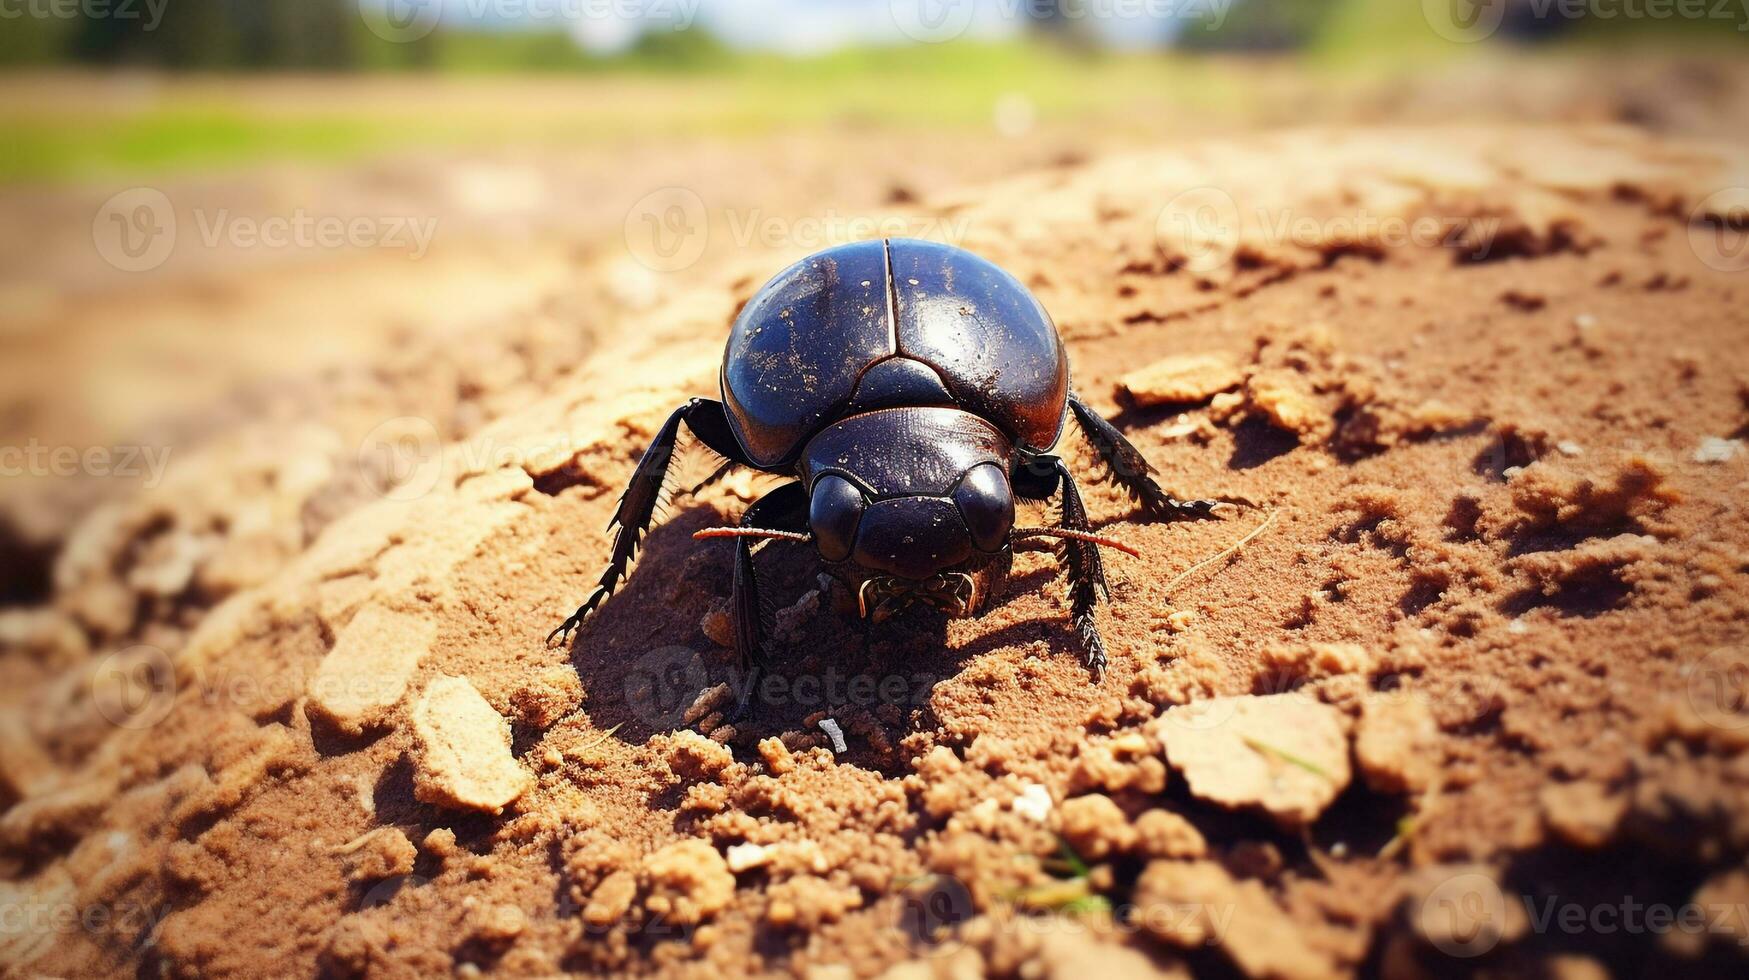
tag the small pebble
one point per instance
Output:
(836, 734)
(743, 857)
(1715, 450)
(1034, 803)
(1569, 448)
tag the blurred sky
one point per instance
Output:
(800, 26)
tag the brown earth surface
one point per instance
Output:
(1480, 659)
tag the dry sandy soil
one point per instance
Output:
(1472, 697)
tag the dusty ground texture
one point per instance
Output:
(290, 712)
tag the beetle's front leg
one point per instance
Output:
(1039, 477)
(1129, 469)
(637, 506)
(783, 509)
(1086, 573)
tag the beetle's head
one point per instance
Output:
(912, 505)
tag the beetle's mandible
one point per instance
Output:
(912, 392)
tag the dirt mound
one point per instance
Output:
(1484, 389)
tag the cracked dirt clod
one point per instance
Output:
(1094, 826)
(689, 882)
(462, 750)
(1394, 743)
(1584, 814)
(367, 672)
(1180, 379)
(1284, 754)
(1198, 903)
(1283, 399)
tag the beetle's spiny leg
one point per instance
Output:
(1128, 468)
(1082, 558)
(752, 610)
(634, 514)
(645, 493)
(716, 474)
(1085, 570)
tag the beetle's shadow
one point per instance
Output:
(653, 622)
(848, 667)
(643, 657)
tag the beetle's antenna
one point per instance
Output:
(751, 532)
(1063, 532)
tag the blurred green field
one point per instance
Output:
(90, 129)
(467, 89)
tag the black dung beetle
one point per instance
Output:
(913, 391)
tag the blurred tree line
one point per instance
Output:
(220, 35)
(1350, 26)
(314, 35)
(214, 35)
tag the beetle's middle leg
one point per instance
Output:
(637, 506)
(783, 509)
(1131, 470)
(1040, 478)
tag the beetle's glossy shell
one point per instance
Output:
(947, 327)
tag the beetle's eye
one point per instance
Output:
(834, 512)
(987, 505)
